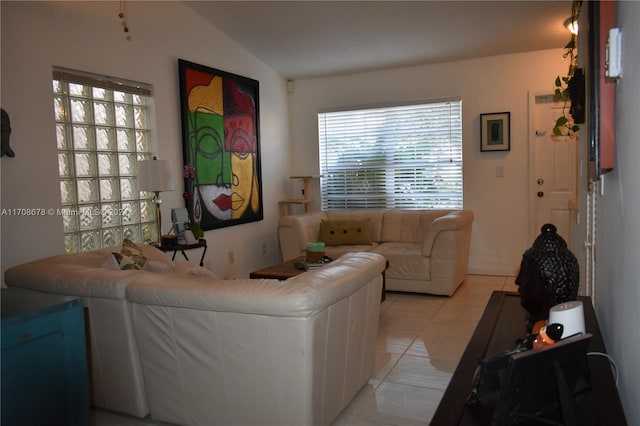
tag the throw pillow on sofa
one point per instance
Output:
(130, 256)
(345, 232)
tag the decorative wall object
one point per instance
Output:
(220, 136)
(495, 131)
(6, 134)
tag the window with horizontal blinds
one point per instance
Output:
(102, 81)
(399, 157)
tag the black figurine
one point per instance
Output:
(549, 275)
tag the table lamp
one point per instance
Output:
(156, 176)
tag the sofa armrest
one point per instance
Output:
(453, 221)
(295, 231)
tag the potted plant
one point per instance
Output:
(570, 88)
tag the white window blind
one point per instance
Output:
(102, 130)
(403, 157)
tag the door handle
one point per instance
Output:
(540, 194)
(540, 181)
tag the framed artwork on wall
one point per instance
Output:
(221, 146)
(495, 131)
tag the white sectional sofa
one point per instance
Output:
(116, 380)
(191, 349)
(427, 250)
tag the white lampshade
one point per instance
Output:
(156, 175)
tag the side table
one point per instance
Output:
(202, 243)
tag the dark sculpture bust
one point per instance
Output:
(549, 275)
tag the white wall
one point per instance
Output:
(88, 36)
(618, 236)
(492, 84)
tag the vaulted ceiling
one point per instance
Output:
(305, 39)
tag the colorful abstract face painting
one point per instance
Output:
(220, 140)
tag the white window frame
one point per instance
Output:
(103, 128)
(392, 156)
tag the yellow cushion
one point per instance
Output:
(345, 232)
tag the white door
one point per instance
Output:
(553, 168)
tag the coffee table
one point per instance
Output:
(285, 270)
(279, 271)
(501, 324)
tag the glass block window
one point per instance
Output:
(392, 157)
(102, 131)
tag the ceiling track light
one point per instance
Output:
(572, 24)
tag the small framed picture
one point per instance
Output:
(495, 132)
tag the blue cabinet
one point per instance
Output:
(44, 361)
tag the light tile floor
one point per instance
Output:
(420, 341)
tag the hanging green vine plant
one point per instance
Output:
(568, 88)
